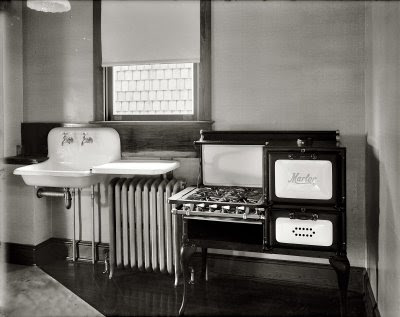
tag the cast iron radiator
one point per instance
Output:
(143, 234)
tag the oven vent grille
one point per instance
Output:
(304, 232)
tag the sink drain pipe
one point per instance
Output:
(66, 194)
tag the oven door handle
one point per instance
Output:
(302, 156)
(303, 216)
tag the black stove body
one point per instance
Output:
(280, 192)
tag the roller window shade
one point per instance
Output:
(145, 32)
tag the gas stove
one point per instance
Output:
(281, 192)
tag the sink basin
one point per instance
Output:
(51, 174)
(72, 153)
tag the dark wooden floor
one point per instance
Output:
(132, 293)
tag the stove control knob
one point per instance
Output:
(240, 209)
(259, 211)
(200, 207)
(225, 209)
(212, 208)
(300, 142)
(188, 207)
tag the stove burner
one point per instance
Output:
(227, 195)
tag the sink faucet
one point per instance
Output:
(67, 139)
(86, 139)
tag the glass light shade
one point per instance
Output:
(51, 6)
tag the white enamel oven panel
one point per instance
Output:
(232, 165)
(308, 229)
(305, 232)
(303, 179)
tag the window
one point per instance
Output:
(152, 92)
(173, 132)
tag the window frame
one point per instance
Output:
(109, 116)
(160, 138)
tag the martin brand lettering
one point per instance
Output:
(298, 179)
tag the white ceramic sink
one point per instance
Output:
(51, 174)
(72, 154)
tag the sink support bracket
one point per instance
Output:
(93, 227)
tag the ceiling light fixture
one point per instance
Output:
(51, 6)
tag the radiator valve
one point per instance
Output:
(191, 276)
(106, 259)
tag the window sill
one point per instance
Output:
(167, 123)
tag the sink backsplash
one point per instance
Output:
(84, 146)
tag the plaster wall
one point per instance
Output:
(27, 219)
(12, 89)
(58, 64)
(295, 66)
(383, 152)
(24, 219)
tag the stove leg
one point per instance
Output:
(341, 265)
(187, 252)
(204, 266)
(73, 229)
(176, 220)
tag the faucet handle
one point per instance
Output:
(67, 138)
(86, 138)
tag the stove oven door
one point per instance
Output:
(305, 176)
(306, 230)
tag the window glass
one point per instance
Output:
(153, 89)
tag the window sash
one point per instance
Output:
(109, 103)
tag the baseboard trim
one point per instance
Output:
(50, 250)
(83, 249)
(18, 253)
